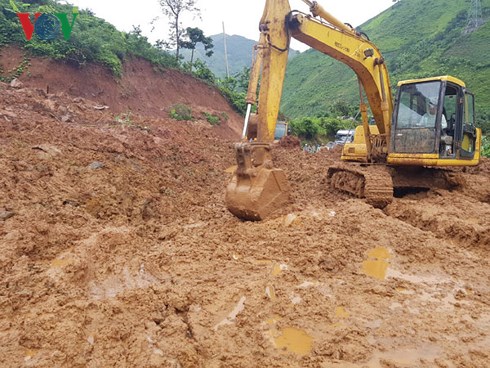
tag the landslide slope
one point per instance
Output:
(116, 249)
(142, 88)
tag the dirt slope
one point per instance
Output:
(142, 89)
(116, 250)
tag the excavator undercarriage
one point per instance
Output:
(377, 184)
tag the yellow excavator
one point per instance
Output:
(430, 125)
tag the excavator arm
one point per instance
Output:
(258, 188)
(355, 51)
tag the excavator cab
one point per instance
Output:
(434, 124)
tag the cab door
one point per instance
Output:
(465, 129)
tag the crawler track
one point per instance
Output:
(373, 183)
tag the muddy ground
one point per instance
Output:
(116, 250)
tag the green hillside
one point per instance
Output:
(418, 38)
(91, 40)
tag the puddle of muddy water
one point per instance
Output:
(59, 263)
(289, 339)
(294, 340)
(377, 263)
(341, 312)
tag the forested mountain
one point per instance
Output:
(239, 51)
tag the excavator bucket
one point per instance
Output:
(257, 188)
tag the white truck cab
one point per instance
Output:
(344, 136)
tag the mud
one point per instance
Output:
(116, 250)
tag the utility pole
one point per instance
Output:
(474, 16)
(226, 52)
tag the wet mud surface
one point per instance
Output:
(116, 249)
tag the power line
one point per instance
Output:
(226, 52)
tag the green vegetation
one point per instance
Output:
(201, 71)
(92, 39)
(418, 38)
(212, 119)
(192, 37)
(181, 112)
(125, 119)
(320, 129)
(305, 128)
(234, 88)
(486, 146)
(174, 10)
(16, 72)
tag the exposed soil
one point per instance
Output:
(143, 89)
(116, 248)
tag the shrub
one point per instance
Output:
(330, 126)
(306, 128)
(224, 116)
(201, 71)
(125, 119)
(181, 112)
(212, 119)
(485, 146)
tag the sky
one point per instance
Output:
(239, 17)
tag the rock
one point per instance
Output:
(48, 150)
(5, 215)
(290, 219)
(96, 165)
(49, 105)
(66, 118)
(71, 202)
(8, 114)
(15, 83)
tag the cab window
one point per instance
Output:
(469, 109)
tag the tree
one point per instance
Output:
(173, 9)
(195, 36)
(305, 128)
(342, 108)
